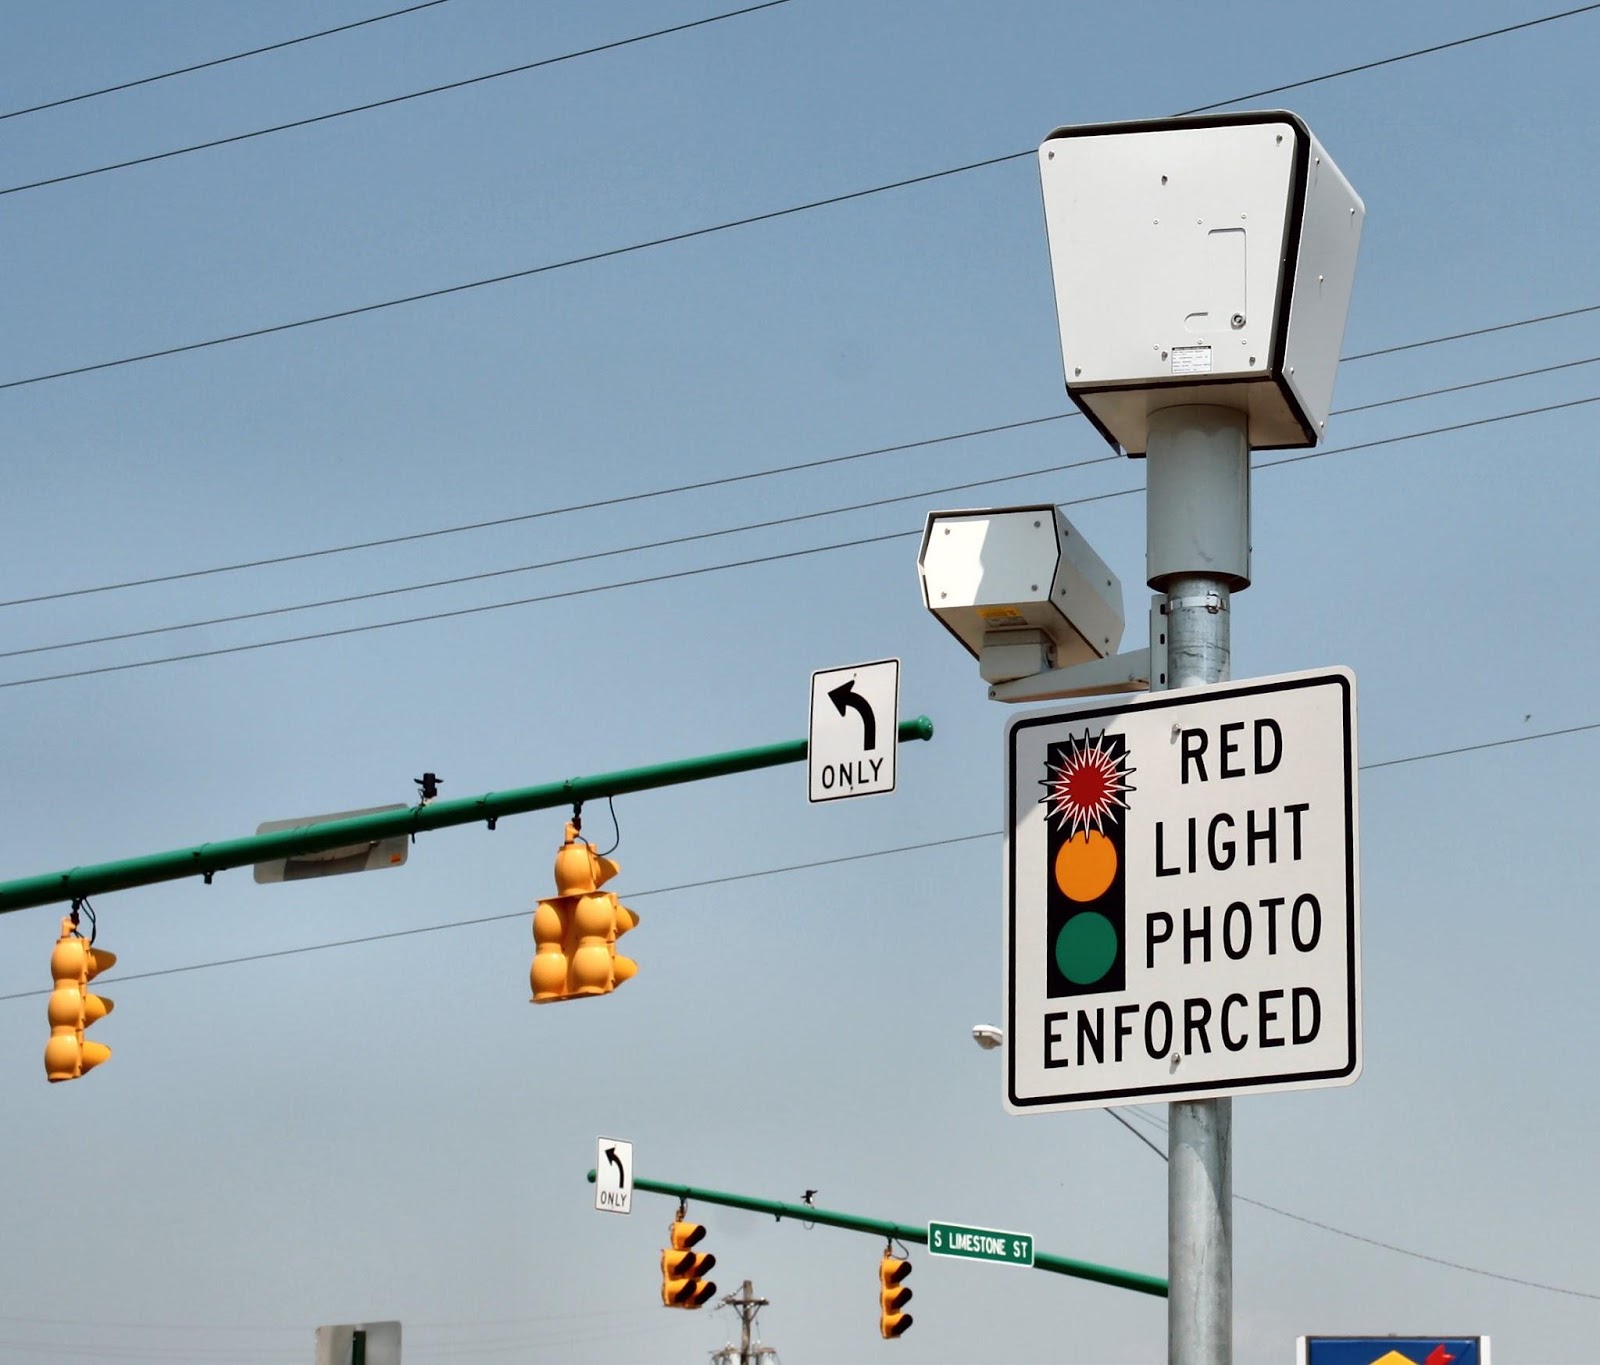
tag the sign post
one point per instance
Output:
(1184, 344)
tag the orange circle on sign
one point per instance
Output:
(1086, 866)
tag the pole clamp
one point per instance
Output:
(1211, 602)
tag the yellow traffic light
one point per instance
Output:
(682, 1270)
(575, 931)
(73, 964)
(893, 1295)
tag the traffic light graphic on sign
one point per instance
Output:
(1086, 794)
(575, 931)
(893, 1295)
(683, 1270)
(74, 963)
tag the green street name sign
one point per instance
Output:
(980, 1244)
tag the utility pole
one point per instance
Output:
(747, 1306)
(1197, 548)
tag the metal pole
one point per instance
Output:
(205, 859)
(1198, 554)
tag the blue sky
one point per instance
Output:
(389, 1129)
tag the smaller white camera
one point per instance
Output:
(1021, 590)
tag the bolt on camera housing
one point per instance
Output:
(1206, 260)
(1020, 589)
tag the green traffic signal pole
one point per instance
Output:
(901, 1232)
(205, 859)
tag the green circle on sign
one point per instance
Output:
(1086, 947)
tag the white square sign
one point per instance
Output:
(613, 1175)
(1182, 910)
(855, 730)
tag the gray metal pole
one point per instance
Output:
(1198, 554)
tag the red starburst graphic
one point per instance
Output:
(1085, 784)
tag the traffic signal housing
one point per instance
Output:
(893, 1295)
(74, 963)
(575, 931)
(683, 1270)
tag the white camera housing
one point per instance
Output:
(1202, 260)
(1020, 589)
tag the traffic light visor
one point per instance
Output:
(894, 1325)
(686, 1265)
(685, 1235)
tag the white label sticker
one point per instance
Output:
(1191, 360)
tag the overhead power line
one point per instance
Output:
(919, 847)
(704, 882)
(393, 99)
(696, 536)
(458, 612)
(1371, 1241)
(589, 258)
(883, 853)
(700, 485)
(617, 500)
(218, 61)
(771, 215)
(1475, 332)
(1417, 1255)
(587, 556)
(1402, 57)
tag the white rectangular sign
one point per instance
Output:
(1182, 911)
(613, 1175)
(855, 730)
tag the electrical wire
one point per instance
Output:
(1403, 57)
(704, 882)
(908, 848)
(695, 233)
(724, 480)
(217, 61)
(589, 258)
(586, 557)
(393, 99)
(1373, 1241)
(594, 505)
(1415, 1255)
(459, 612)
(1475, 332)
(1462, 388)
(690, 538)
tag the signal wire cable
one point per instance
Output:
(907, 848)
(752, 562)
(1372, 1241)
(391, 100)
(595, 505)
(724, 480)
(216, 61)
(584, 558)
(702, 883)
(694, 233)
(693, 537)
